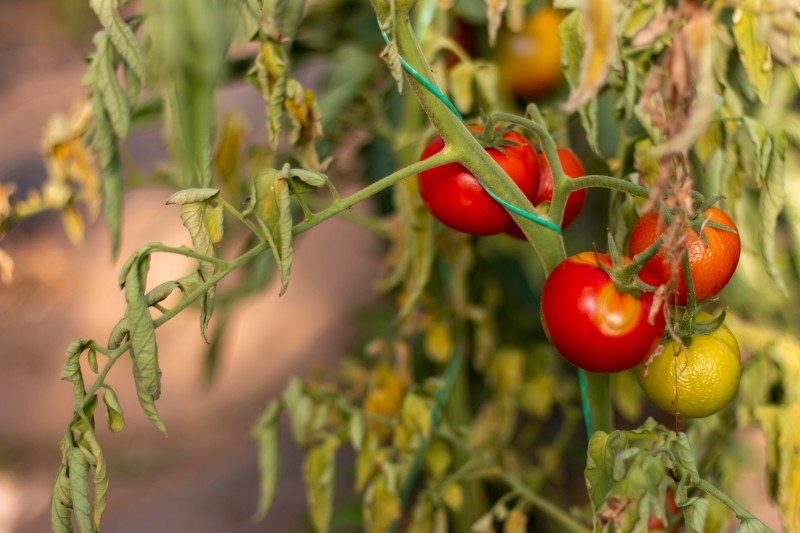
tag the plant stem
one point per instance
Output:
(741, 512)
(547, 243)
(565, 521)
(598, 398)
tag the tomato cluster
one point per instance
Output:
(601, 325)
(455, 197)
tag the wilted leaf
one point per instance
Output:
(266, 434)
(439, 342)
(61, 503)
(228, 159)
(771, 202)
(99, 476)
(79, 489)
(319, 472)
(752, 44)
(494, 16)
(299, 407)
(599, 26)
(116, 419)
(517, 522)
(272, 209)
(191, 196)
(144, 350)
(381, 505)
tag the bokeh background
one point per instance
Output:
(203, 478)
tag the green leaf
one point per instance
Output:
(114, 98)
(118, 334)
(191, 196)
(752, 525)
(272, 205)
(99, 475)
(116, 418)
(696, 514)
(300, 410)
(72, 369)
(751, 42)
(78, 466)
(599, 465)
(61, 503)
(126, 46)
(266, 434)
(352, 71)
(319, 470)
(144, 350)
(356, 430)
(771, 202)
(102, 140)
(204, 220)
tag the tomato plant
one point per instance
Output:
(457, 199)
(591, 323)
(459, 412)
(572, 169)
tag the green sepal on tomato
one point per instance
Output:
(591, 323)
(456, 198)
(573, 169)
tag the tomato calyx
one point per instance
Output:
(689, 326)
(624, 271)
(492, 137)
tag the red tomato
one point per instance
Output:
(455, 197)
(592, 324)
(573, 169)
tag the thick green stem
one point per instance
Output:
(547, 243)
(598, 398)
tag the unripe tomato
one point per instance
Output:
(573, 169)
(713, 257)
(530, 61)
(591, 323)
(455, 197)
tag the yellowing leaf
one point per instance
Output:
(517, 522)
(439, 343)
(319, 472)
(599, 28)
(751, 42)
(381, 506)
(453, 496)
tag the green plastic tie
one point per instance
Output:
(524, 214)
(587, 415)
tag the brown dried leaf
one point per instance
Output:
(600, 29)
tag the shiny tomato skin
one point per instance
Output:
(455, 197)
(573, 169)
(592, 324)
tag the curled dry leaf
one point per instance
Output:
(600, 28)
